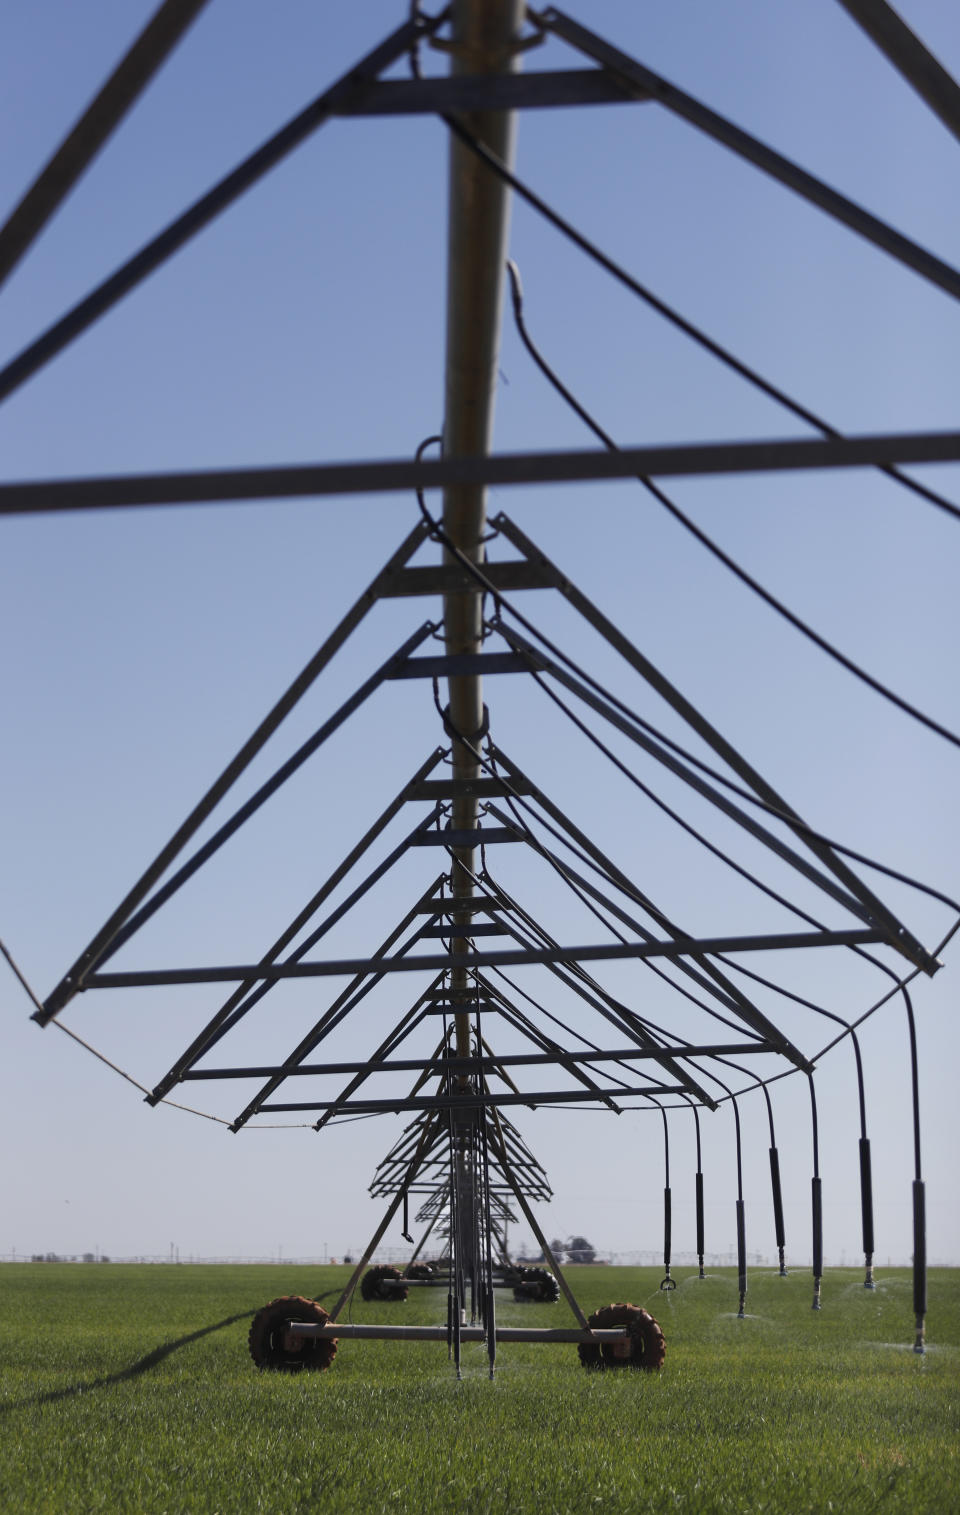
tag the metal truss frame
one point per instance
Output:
(461, 1150)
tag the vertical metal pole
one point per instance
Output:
(866, 1211)
(778, 1226)
(919, 1199)
(490, 1308)
(779, 1230)
(484, 37)
(919, 1264)
(817, 1198)
(422, 1243)
(666, 1282)
(699, 1197)
(405, 1228)
(741, 1258)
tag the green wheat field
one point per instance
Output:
(131, 1389)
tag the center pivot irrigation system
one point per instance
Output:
(470, 969)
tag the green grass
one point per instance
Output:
(130, 1389)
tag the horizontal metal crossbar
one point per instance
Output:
(454, 1065)
(439, 1280)
(453, 1009)
(336, 1331)
(482, 928)
(467, 906)
(466, 996)
(400, 475)
(469, 92)
(454, 837)
(481, 789)
(468, 663)
(448, 578)
(435, 962)
(468, 1101)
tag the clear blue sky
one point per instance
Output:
(307, 324)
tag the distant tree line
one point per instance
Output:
(55, 1257)
(576, 1249)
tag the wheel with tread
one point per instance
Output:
(418, 1270)
(644, 1349)
(372, 1284)
(271, 1346)
(538, 1285)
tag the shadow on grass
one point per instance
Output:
(142, 1365)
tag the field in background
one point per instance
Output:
(129, 1389)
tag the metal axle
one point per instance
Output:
(561, 1334)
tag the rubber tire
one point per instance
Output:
(536, 1285)
(371, 1284)
(418, 1270)
(647, 1346)
(267, 1347)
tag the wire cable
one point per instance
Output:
(498, 167)
(701, 536)
(188, 1109)
(668, 810)
(794, 821)
(788, 818)
(478, 756)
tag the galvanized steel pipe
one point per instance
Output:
(484, 38)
